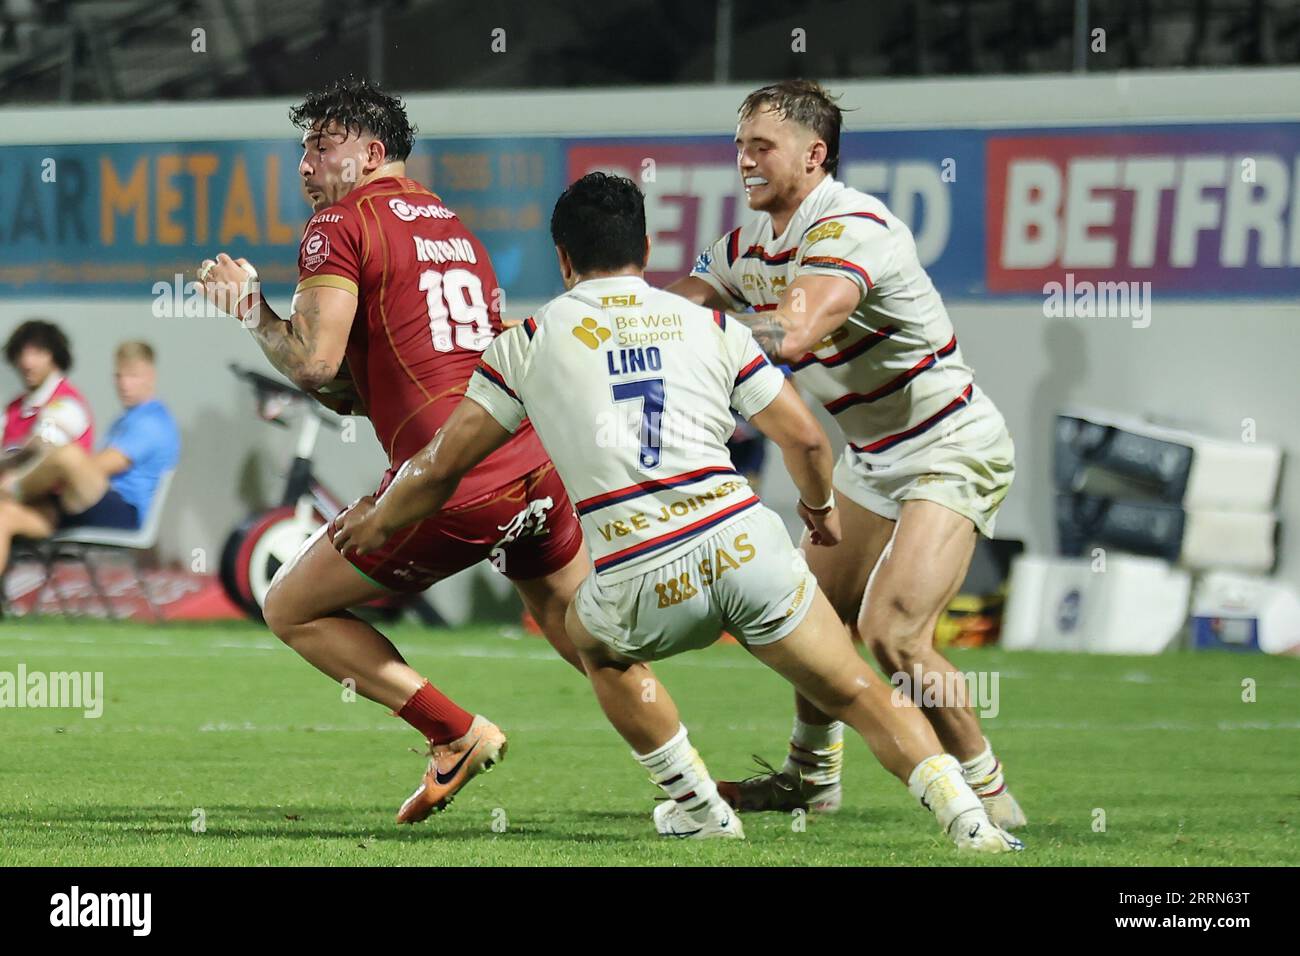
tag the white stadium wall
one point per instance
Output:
(1212, 355)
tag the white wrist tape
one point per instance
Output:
(251, 289)
(830, 503)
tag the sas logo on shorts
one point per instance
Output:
(315, 250)
(591, 333)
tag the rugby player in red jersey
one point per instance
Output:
(393, 281)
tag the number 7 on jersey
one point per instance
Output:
(650, 391)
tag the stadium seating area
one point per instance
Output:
(127, 50)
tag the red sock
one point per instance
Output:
(435, 715)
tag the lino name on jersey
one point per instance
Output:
(638, 428)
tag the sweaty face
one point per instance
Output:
(773, 157)
(134, 380)
(35, 365)
(333, 162)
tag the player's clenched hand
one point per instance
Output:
(823, 526)
(228, 282)
(360, 529)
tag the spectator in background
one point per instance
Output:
(112, 488)
(50, 411)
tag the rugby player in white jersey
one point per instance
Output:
(841, 297)
(630, 390)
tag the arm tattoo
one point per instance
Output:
(291, 346)
(769, 331)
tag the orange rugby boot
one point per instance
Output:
(451, 766)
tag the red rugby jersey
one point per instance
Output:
(427, 307)
(25, 411)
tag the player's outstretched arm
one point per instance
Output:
(425, 482)
(699, 292)
(789, 423)
(812, 307)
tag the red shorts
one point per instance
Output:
(527, 529)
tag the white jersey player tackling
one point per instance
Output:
(841, 298)
(631, 389)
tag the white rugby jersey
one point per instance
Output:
(630, 390)
(893, 371)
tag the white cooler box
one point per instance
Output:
(1235, 540)
(1137, 605)
(1200, 540)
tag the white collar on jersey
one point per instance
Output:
(591, 290)
(37, 399)
(812, 204)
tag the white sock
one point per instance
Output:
(983, 772)
(677, 769)
(816, 752)
(938, 783)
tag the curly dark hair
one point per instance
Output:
(358, 106)
(600, 222)
(807, 103)
(43, 335)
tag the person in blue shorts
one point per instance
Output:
(112, 488)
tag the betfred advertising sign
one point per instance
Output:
(1195, 211)
(931, 180)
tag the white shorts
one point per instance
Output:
(746, 578)
(967, 469)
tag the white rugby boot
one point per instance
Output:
(672, 821)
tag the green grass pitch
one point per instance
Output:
(224, 722)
